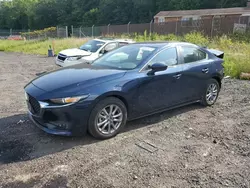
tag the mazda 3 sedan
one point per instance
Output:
(128, 83)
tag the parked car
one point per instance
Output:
(128, 83)
(89, 51)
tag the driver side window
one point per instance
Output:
(168, 57)
(109, 47)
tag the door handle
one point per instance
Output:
(177, 76)
(205, 70)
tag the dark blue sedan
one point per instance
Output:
(128, 83)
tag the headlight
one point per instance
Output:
(74, 58)
(69, 100)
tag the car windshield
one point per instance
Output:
(92, 45)
(125, 58)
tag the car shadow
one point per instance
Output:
(20, 140)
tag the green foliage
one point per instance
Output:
(39, 14)
(242, 37)
(39, 32)
(237, 54)
(91, 17)
(235, 65)
(196, 38)
(172, 37)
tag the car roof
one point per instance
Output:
(161, 44)
(114, 40)
(155, 44)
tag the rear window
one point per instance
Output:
(192, 54)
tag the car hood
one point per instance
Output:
(75, 52)
(76, 76)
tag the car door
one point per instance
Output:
(195, 72)
(160, 90)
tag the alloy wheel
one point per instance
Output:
(212, 93)
(109, 119)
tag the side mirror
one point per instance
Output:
(157, 67)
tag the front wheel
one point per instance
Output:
(107, 118)
(211, 94)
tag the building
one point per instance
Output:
(193, 17)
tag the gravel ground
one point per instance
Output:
(187, 147)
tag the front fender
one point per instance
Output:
(120, 95)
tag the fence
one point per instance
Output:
(4, 33)
(212, 26)
(58, 32)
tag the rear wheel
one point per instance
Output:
(211, 94)
(107, 118)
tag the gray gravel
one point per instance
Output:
(187, 147)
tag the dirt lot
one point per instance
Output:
(186, 147)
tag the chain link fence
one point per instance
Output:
(213, 26)
(6, 33)
(62, 32)
(15, 34)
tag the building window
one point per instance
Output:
(189, 21)
(161, 19)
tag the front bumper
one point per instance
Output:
(64, 121)
(48, 130)
(66, 63)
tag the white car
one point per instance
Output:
(90, 51)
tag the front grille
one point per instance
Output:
(35, 106)
(61, 57)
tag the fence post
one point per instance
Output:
(29, 33)
(212, 27)
(10, 32)
(72, 31)
(93, 31)
(128, 28)
(57, 35)
(66, 32)
(150, 27)
(176, 27)
(108, 28)
(80, 34)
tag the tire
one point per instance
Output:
(110, 124)
(212, 86)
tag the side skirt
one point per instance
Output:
(164, 110)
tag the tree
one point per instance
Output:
(37, 14)
(45, 14)
(83, 10)
(90, 17)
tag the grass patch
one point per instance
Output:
(236, 48)
(40, 47)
